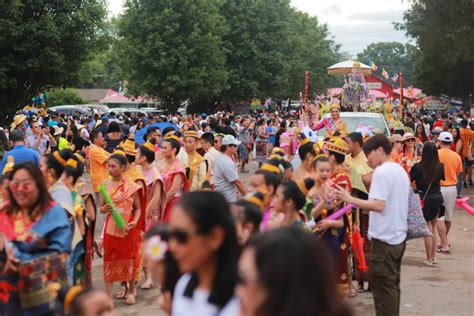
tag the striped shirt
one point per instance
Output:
(21, 154)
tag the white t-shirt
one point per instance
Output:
(198, 304)
(225, 174)
(390, 184)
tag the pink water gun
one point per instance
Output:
(462, 203)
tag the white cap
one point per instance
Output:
(445, 137)
(437, 130)
(230, 140)
(174, 119)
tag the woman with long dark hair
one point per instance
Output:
(287, 272)
(427, 175)
(38, 230)
(420, 134)
(121, 244)
(204, 243)
(173, 173)
(113, 137)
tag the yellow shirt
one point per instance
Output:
(358, 167)
(98, 159)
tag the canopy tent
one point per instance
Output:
(347, 66)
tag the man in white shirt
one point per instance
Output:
(226, 178)
(388, 202)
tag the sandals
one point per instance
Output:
(360, 289)
(131, 299)
(147, 285)
(352, 292)
(122, 293)
(428, 263)
(444, 252)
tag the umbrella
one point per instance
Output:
(139, 135)
(345, 67)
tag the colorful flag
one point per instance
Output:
(373, 66)
(395, 78)
(385, 74)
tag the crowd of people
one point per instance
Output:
(172, 210)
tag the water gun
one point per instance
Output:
(358, 246)
(115, 213)
(462, 203)
(341, 212)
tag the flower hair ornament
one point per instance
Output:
(156, 248)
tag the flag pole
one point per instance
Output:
(401, 96)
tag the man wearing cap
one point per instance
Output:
(452, 168)
(436, 131)
(61, 142)
(226, 178)
(196, 164)
(19, 151)
(41, 138)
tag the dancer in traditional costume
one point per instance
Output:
(33, 252)
(173, 173)
(120, 244)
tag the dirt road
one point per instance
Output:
(444, 289)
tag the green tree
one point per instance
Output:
(102, 69)
(394, 57)
(444, 34)
(270, 45)
(64, 96)
(44, 43)
(172, 49)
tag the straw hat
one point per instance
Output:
(17, 120)
(58, 130)
(408, 136)
(191, 134)
(396, 138)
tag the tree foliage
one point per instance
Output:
(222, 50)
(173, 49)
(444, 33)
(44, 43)
(64, 96)
(394, 57)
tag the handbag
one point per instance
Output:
(417, 227)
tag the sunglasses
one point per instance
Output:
(16, 186)
(181, 236)
(410, 140)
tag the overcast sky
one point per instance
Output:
(354, 24)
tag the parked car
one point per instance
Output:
(100, 108)
(71, 109)
(353, 120)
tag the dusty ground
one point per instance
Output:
(446, 289)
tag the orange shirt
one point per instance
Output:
(452, 166)
(98, 158)
(467, 137)
(397, 157)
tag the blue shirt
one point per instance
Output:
(21, 154)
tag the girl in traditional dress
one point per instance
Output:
(306, 152)
(155, 192)
(289, 199)
(36, 238)
(85, 212)
(173, 173)
(334, 123)
(120, 244)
